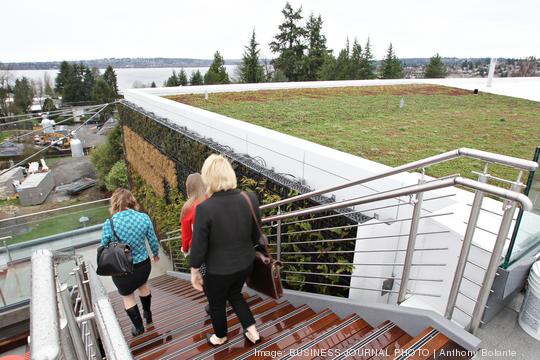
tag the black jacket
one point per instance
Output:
(224, 233)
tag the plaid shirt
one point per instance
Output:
(132, 227)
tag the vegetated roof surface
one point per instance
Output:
(367, 121)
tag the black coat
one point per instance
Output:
(224, 233)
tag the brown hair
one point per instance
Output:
(196, 190)
(123, 199)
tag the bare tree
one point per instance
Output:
(5, 80)
(39, 90)
(527, 67)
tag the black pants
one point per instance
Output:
(219, 289)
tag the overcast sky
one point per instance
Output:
(37, 30)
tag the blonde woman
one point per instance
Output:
(224, 235)
(196, 192)
(129, 226)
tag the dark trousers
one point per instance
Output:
(219, 289)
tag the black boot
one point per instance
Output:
(146, 301)
(135, 316)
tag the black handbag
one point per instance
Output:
(265, 276)
(114, 259)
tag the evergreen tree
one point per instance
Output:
(153, 85)
(110, 77)
(343, 61)
(328, 68)
(216, 74)
(172, 80)
(251, 70)
(317, 51)
(63, 76)
(367, 67)
(289, 44)
(48, 105)
(182, 78)
(435, 68)
(391, 67)
(102, 93)
(355, 63)
(196, 78)
(89, 81)
(23, 95)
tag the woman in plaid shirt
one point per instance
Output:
(133, 228)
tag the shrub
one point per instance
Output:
(106, 155)
(117, 177)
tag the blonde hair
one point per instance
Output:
(123, 199)
(196, 190)
(218, 174)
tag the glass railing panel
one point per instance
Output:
(52, 222)
(527, 233)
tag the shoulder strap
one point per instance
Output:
(248, 200)
(116, 238)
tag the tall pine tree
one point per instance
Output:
(289, 44)
(196, 78)
(172, 80)
(23, 96)
(343, 63)
(182, 77)
(367, 66)
(391, 67)
(355, 63)
(110, 77)
(216, 74)
(251, 70)
(435, 68)
(317, 51)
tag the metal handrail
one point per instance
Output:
(450, 155)
(46, 324)
(409, 190)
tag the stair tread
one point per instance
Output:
(297, 338)
(197, 337)
(435, 342)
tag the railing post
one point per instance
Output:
(495, 260)
(410, 245)
(278, 236)
(74, 329)
(10, 260)
(466, 246)
(84, 293)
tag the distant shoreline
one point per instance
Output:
(125, 63)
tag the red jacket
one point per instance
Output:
(187, 226)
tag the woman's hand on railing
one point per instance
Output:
(196, 279)
(155, 259)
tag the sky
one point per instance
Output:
(37, 30)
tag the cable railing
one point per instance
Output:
(71, 323)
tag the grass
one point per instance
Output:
(368, 122)
(56, 224)
(4, 135)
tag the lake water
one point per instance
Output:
(128, 77)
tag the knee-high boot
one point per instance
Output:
(135, 316)
(146, 301)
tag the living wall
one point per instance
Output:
(149, 139)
